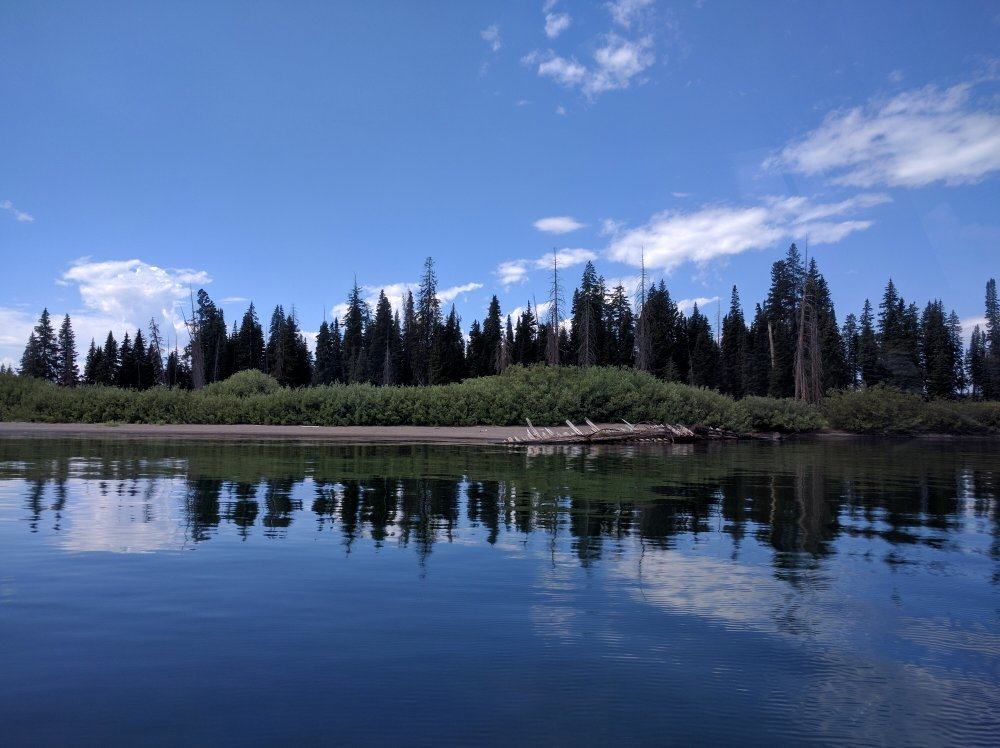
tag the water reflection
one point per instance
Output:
(800, 500)
(839, 592)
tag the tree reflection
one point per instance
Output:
(794, 500)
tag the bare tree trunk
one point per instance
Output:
(552, 342)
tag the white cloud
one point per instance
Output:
(15, 326)
(556, 23)
(616, 62)
(686, 305)
(567, 257)
(969, 324)
(19, 215)
(674, 237)
(132, 290)
(491, 35)
(234, 300)
(916, 138)
(561, 110)
(896, 76)
(558, 224)
(510, 272)
(625, 12)
(681, 195)
(450, 294)
(521, 102)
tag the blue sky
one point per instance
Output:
(273, 151)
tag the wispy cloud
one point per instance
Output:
(491, 35)
(616, 62)
(234, 299)
(556, 23)
(448, 295)
(19, 215)
(686, 305)
(674, 237)
(914, 139)
(558, 224)
(510, 272)
(626, 12)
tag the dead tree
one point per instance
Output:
(555, 296)
(197, 351)
(642, 328)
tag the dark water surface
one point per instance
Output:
(193, 593)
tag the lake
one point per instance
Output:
(257, 593)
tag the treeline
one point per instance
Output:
(793, 345)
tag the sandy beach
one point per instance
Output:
(354, 434)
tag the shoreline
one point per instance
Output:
(257, 432)
(458, 435)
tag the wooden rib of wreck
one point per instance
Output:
(640, 432)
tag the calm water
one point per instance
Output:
(193, 592)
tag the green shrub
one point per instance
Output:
(886, 410)
(546, 395)
(244, 384)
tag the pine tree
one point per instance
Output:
(109, 362)
(92, 366)
(41, 355)
(31, 365)
(957, 352)
(991, 343)
(298, 359)
(248, 345)
(449, 358)
(210, 337)
(410, 340)
(852, 338)
(355, 322)
(733, 353)
(620, 328)
(323, 371)
(428, 318)
(505, 355)
(703, 370)
(143, 373)
(976, 362)
(782, 310)
(126, 364)
(757, 359)
(383, 345)
(491, 340)
(475, 356)
(68, 375)
(154, 353)
(898, 336)
(868, 352)
(277, 347)
(587, 335)
(937, 352)
(668, 357)
(526, 338)
(834, 370)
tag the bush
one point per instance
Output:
(244, 384)
(886, 410)
(546, 395)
